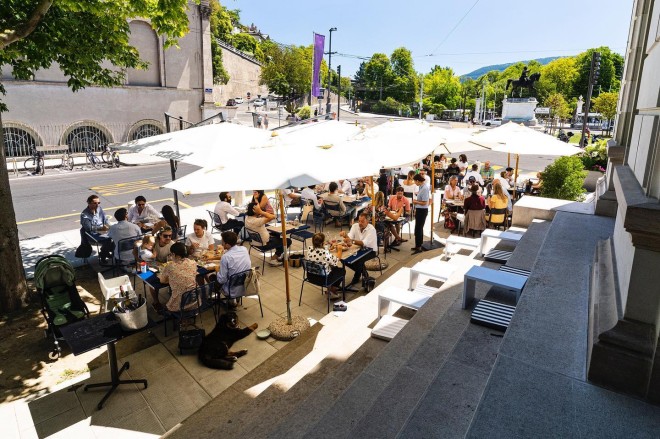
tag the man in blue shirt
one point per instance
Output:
(234, 260)
(421, 202)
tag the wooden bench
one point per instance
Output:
(497, 234)
(509, 281)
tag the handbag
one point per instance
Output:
(252, 283)
(191, 338)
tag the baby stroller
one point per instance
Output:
(61, 304)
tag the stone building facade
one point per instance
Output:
(179, 81)
(626, 356)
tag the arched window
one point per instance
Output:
(85, 135)
(145, 40)
(19, 140)
(145, 128)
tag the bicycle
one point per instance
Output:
(67, 161)
(92, 159)
(110, 157)
(35, 164)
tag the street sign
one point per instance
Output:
(542, 110)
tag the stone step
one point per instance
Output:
(530, 244)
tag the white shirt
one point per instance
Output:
(123, 230)
(287, 198)
(462, 165)
(503, 181)
(367, 236)
(309, 194)
(345, 187)
(204, 242)
(476, 176)
(222, 208)
(149, 214)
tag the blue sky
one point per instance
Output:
(461, 34)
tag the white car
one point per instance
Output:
(493, 122)
(258, 103)
(238, 100)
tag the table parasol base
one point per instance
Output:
(432, 245)
(281, 330)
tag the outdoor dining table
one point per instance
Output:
(352, 255)
(94, 332)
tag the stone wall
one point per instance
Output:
(244, 75)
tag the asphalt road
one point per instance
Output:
(52, 203)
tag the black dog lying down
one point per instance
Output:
(214, 352)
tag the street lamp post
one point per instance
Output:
(328, 105)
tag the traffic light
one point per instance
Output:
(338, 75)
(595, 67)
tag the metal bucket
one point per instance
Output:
(295, 261)
(133, 320)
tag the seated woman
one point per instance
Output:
(180, 274)
(169, 220)
(439, 171)
(256, 220)
(475, 211)
(200, 241)
(318, 253)
(452, 191)
(499, 200)
(383, 213)
(259, 197)
(452, 168)
(535, 188)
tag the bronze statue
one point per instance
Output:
(523, 82)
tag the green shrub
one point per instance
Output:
(594, 156)
(304, 112)
(291, 108)
(563, 179)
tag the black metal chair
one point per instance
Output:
(333, 209)
(316, 274)
(505, 218)
(234, 289)
(123, 246)
(193, 303)
(216, 222)
(181, 233)
(302, 235)
(257, 244)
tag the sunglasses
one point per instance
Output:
(95, 202)
(167, 236)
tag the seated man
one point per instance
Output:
(487, 173)
(94, 222)
(363, 234)
(291, 199)
(309, 195)
(345, 187)
(234, 260)
(142, 213)
(397, 202)
(333, 197)
(256, 221)
(223, 208)
(474, 172)
(467, 191)
(122, 230)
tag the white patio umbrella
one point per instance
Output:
(518, 139)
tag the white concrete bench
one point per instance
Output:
(509, 281)
(389, 326)
(463, 241)
(433, 268)
(497, 234)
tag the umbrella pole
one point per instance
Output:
(286, 328)
(432, 243)
(373, 201)
(508, 159)
(515, 178)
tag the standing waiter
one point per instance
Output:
(421, 202)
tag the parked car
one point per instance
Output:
(238, 100)
(493, 122)
(258, 103)
(231, 103)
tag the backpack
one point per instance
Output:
(450, 223)
(84, 250)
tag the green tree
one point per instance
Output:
(378, 76)
(88, 39)
(288, 69)
(605, 104)
(221, 28)
(563, 179)
(405, 80)
(607, 79)
(442, 90)
(558, 107)
(558, 76)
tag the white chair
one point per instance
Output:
(110, 288)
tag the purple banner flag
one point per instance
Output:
(319, 47)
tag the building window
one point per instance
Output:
(82, 137)
(146, 130)
(19, 142)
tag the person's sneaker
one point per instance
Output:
(274, 263)
(334, 296)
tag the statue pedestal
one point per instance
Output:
(519, 110)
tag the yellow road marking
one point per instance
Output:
(124, 188)
(106, 209)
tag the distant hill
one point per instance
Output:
(501, 67)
